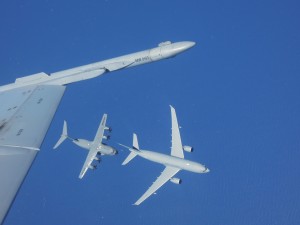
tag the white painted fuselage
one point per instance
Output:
(172, 161)
(103, 149)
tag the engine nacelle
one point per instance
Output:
(107, 137)
(108, 129)
(188, 148)
(92, 167)
(175, 180)
(97, 159)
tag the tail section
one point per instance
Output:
(135, 143)
(129, 158)
(63, 136)
(135, 148)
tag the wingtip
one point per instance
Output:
(172, 108)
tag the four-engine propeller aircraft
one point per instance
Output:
(173, 163)
(96, 148)
(28, 106)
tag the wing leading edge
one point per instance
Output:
(25, 116)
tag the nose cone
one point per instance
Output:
(179, 47)
(206, 170)
(173, 49)
(114, 151)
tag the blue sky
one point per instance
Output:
(236, 94)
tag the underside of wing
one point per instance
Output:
(165, 176)
(176, 149)
(89, 159)
(25, 115)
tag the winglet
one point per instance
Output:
(63, 136)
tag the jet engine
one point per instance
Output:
(188, 148)
(107, 137)
(175, 180)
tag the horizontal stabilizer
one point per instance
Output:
(63, 136)
(129, 158)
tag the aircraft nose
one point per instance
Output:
(206, 170)
(189, 44)
(172, 50)
(182, 46)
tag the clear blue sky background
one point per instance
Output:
(236, 94)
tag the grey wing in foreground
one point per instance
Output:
(176, 149)
(25, 116)
(165, 176)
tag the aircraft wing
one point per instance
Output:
(99, 135)
(176, 149)
(89, 159)
(165, 176)
(25, 116)
(94, 150)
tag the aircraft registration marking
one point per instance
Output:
(142, 59)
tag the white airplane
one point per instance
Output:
(173, 163)
(29, 103)
(96, 148)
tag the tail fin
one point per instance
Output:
(135, 143)
(63, 136)
(133, 150)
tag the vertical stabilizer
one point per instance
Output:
(135, 148)
(135, 143)
(63, 136)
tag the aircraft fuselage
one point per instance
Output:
(173, 161)
(103, 148)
